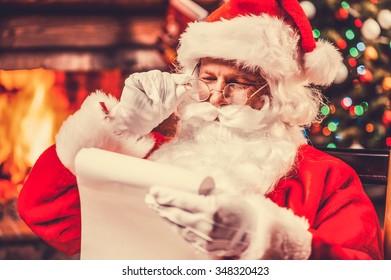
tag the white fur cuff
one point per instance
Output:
(279, 233)
(89, 128)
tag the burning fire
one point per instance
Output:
(33, 105)
(29, 119)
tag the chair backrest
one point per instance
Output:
(374, 169)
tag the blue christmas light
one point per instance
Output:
(361, 70)
(361, 46)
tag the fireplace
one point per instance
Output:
(33, 104)
(53, 53)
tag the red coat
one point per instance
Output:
(326, 191)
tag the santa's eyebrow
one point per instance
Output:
(249, 79)
(233, 76)
(246, 77)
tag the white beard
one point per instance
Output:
(245, 151)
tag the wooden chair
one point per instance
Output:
(374, 169)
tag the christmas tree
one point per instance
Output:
(358, 110)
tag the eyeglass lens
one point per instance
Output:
(232, 93)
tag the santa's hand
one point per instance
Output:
(90, 127)
(147, 99)
(217, 224)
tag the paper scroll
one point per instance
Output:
(116, 222)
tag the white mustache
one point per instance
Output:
(244, 118)
(200, 110)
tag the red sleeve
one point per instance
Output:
(343, 221)
(49, 203)
(346, 225)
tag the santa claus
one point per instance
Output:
(244, 94)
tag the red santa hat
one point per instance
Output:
(273, 36)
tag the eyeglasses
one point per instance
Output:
(233, 93)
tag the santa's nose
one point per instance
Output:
(216, 94)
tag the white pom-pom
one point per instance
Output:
(322, 64)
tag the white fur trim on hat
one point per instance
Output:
(279, 233)
(88, 128)
(258, 42)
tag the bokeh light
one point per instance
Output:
(361, 70)
(331, 146)
(353, 52)
(358, 23)
(369, 128)
(332, 126)
(316, 33)
(358, 110)
(326, 131)
(325, 110)
(352, 62)
(342, 44)
(361, 46)
(346, 102)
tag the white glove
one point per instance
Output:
(90, 127)
(234, 226)
(147, 99)
(220, 225)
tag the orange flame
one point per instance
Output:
(27, 119)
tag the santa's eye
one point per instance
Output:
(208, 80)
